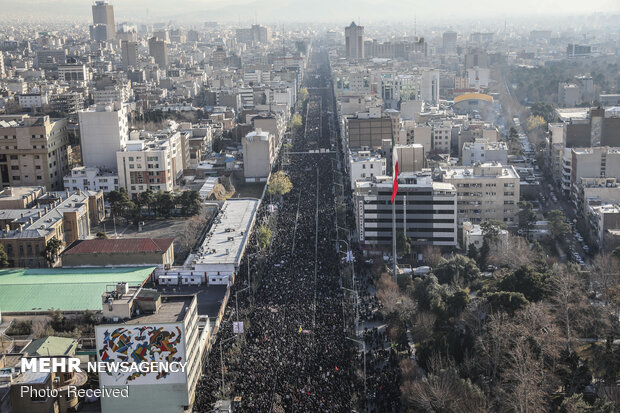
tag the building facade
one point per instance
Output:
(486, 192)
(430, 217)
(33, 151)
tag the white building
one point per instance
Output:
(473, 235)
(364, 166)
(90, 178)
(481, 150)
(220, 253)
(487, 191)
(430, 86)
(154, 328)
(156, 162)
(259, 152)
(32, 100)
(104, 130)
(73, 73)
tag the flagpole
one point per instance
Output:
(394, 237)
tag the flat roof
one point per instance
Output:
(485, 170)
(67, 289)
(119, 246)
(172, 310)
(226, 240)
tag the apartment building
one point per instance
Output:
(599, 161)
(426, 209)
(65, 216)
(142, 317)
(482, 151)
(410, 157)
(365, 165)
(104, 130)
(369, 129)
(259, 153)
(156, 162)
(85, 178)
(488, 191)
(33, 151)
(441, 135)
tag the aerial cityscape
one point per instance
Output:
(291, 206)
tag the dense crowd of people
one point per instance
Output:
(293, 355)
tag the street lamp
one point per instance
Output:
(363, 343)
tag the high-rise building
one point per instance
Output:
(449, 42)
(103, 28)
(103, 131)
(259, 152)
(129, 54)
(2, 74)
(33, 151)
(354, 41)
(159, 51)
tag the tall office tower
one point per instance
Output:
(129, 53)
(354, 36)
(449, 42)
(159, 51)
(103, 28)
(2, 73)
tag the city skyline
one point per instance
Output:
(281, 11)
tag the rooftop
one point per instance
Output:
(172, 310)
(484, 170)
(39, 290)
(226, 240)
(119, 246)
(52, 346)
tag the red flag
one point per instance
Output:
(395, 162)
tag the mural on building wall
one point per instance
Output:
(140, 344)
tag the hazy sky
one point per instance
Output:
(427, 11)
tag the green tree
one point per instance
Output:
(456, 269)
(491, 230)
(513, 133)
(189, 201)
(164, 203)
(120, 203)
(303, 94)
(279, 184)
(403, 244)
(296, 121)
(577, 404)
(527, 216)
(263, 237)
(525, 280)
(535, 122)
(4, 259)
(147, 199)
(52, 248)
(505, 301)
(557, 224)
(483, 255)
(457, 302)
